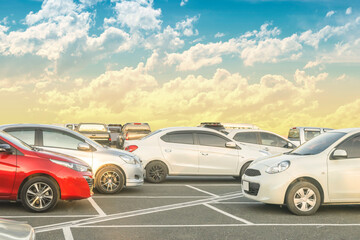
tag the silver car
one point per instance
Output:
(12, 230)
(113, 169)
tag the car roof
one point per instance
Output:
(234, 131)
(191, 128)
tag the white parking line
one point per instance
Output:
(97, 208)
(196, 184)
(67, 233)
(200, 190)
(140, 212)
(228, 214)
(245, 203)
(150, 197)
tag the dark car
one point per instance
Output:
(132, 131)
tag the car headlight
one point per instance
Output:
(280, 167)
(74, 166)
(128, 159)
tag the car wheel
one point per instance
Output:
(243, 169)
(109, 180)
(303, 199)
(156, 172)
(39, 194)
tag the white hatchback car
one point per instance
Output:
(262, 140)
(113, 169)
(191, 151)
(324, 170)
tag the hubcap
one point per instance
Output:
(156, 173)
(39, 195)
(110, 181)
(305, 199)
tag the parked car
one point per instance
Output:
(132, 131)
(39, 178)
(229, 126)
(324, 170)
(13, 230)
(214, 125)
(191, 151)
(95, 131)
(115, 130)
(299, 135)
(113, 169)
(262, 140)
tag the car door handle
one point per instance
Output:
(204, 154)
(167, 150)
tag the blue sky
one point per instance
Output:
(76, 60)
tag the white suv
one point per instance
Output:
(324, 170)
(191, 151)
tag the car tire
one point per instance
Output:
(303, 199)
(243, 169)
(109, 180)
(39, 194)
(156, 172)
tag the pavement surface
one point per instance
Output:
(184, 208)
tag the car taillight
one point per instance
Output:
(109, 139)
(137, 123)
(127, 138)
(131, 148)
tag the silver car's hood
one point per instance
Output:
(12, 230)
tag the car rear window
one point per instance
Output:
(310, 134)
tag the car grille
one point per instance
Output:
(252, 172)
(253, 189)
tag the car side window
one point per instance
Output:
(269, 139)
(246, 137)
(25, 135)
(184, 138)
(59, 139)
(352, 147)
(211, 140)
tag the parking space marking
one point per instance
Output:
(67, 233)
(200, 190)
(115, 216)
(196, 184)
(245, 203)
(150, 197)
(97, 208)
(228, 214)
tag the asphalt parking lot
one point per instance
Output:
(184, 208)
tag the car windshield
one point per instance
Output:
(317, 144)
(92, 128)
(151, 134)
(16, 141)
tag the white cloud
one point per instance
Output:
(219, 35)
(138, 15)
(183, 2)
(152, 61)
(167, 39)
(330, 13)
(187, 26)
(312, 64)
(348, 11)
(341, 77)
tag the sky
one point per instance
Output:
(273, 63)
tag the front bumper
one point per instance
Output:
(76, 185)
(267, 188)
(134, 175)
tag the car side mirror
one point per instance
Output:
(5, 148)
(83, 147)
(230, 145)
(339, 154)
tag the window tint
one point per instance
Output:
(184, 138)
(60, 140)
(269, 139)
(247, 137)
(352, 147)
(27, 136)
(211, 140)
(311, 134)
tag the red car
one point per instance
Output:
(39, 178)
